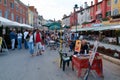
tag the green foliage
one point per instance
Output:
(117, 32)
(105, 19)
(85, 23)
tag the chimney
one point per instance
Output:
(86, 5)
(91, 3)
(96, 1)
(81, 8)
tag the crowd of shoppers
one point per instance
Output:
(36, 39)
(33, 40)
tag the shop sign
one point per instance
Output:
(78, 46)
(97, 25)
(94, 50)
(0, 40)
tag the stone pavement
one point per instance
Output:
(18, 65)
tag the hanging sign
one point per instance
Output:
(0, 40)
(92, 56)
(94, 50)
(78, 46)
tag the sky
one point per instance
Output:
(51, 9)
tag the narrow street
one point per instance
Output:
(18, 65)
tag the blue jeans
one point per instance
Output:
(13, 43)
(25, 44)
(19, 43)
(31, 47)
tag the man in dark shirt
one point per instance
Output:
(12, 38)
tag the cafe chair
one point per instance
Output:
(64, 59)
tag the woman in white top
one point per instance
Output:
(31, 43)
(19, 39)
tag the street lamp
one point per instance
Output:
(75, 16)
(61, 41)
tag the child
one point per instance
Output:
(42, 47)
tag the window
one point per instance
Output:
(0, 12)
(81, 12)
(88, 17)
(12, 16)
(21, 11)
(12, 5)
(20, 19)
(17, 18)
(23, 20)
(88, 10)
(6, 14)
(99, 16)
(98, 7)
(16, 7)
(91, 10)
(26, 13)
(5, 2)
(115, 12)
(108, 2)
(91, 17)
(115, 1)
(108, 13)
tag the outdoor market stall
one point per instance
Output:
(81, 62)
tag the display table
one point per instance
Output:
(82, 61)
(52, 44)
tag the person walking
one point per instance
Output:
(30, 43)
(19, 39)
(25, 41)
(38, 40)
(12, 38)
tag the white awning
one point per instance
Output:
(26, 26)
(7, 22)
(101, 28)
(83, 29)
(112, 27)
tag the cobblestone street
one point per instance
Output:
(18, 65)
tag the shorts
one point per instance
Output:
(38, 46)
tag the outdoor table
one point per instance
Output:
(52, 44)
(82, 61)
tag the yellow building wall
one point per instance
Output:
(115, 6)
(30, 17)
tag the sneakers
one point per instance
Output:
(39, 54)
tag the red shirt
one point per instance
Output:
(38, 39)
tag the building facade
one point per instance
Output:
(66, 20)
(33, 16)
(14, 10)
(115, 7)
(21, 12)
(17, 11)
(73, 18)
(96, 13)
(84, 15)
(30, 17)
(40, 21)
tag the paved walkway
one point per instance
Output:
(18, 65)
